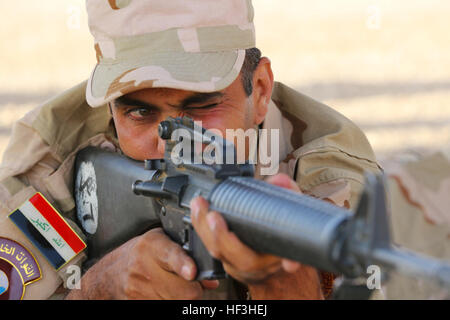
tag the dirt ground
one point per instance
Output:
(383, 64)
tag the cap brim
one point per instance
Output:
(200, 72)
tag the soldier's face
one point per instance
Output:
(138, 114)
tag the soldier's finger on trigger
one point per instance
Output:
(170, 256)
(172, 286)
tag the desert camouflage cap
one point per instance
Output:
(196, 45)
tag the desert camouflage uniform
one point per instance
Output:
(322, 150)
(419, 189)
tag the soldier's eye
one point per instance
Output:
(140, 113)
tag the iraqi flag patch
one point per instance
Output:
(47, 230)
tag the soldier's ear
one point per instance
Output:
(110, 108)
(262, 89)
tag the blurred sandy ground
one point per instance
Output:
(383, 64)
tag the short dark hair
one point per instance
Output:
(251, 61)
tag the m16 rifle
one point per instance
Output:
(118, 198)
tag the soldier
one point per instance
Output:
(171, 58)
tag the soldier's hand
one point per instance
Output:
(240, 261)
(150, 266)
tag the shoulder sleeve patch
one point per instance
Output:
(48, 231)
(18, 268)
